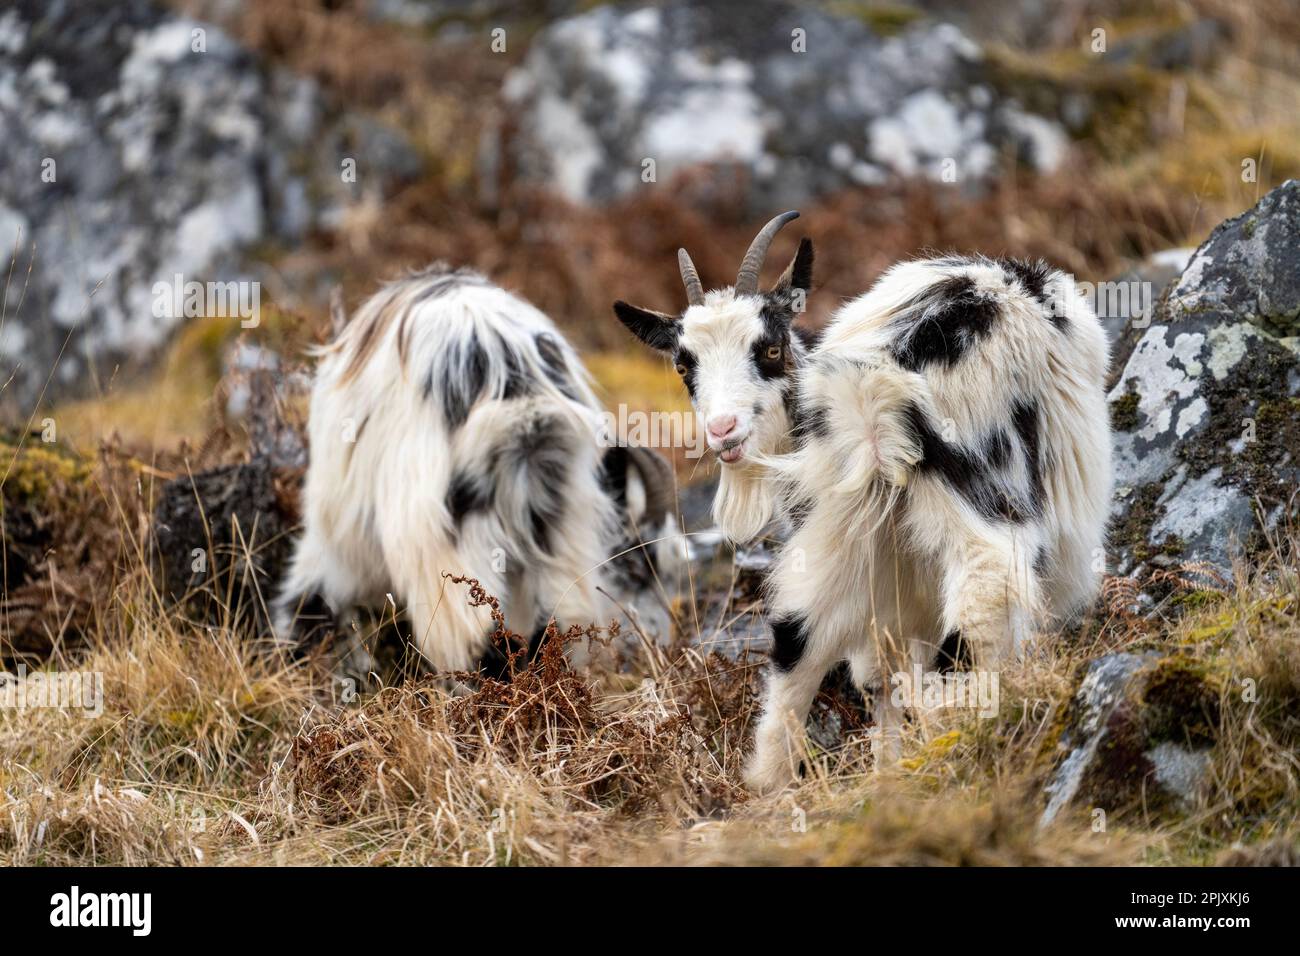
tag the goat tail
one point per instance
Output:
(856, 437)
(871, 427)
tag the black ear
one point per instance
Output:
(799, 273)
(655, 329)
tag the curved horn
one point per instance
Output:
(690, 278)
(747, 279)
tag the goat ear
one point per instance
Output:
(799, 273)
(655, 329)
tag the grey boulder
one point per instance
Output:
(1207, 408)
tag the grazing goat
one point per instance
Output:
(941, 455)
(453, 430)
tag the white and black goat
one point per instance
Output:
(941, 454)
(453, 430)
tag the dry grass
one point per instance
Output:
(211, 750)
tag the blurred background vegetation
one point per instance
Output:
(1153, 132)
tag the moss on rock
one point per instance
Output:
(1173, 700)
(1124, 410)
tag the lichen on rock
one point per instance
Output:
(1207, 407)
(1139, 728)
(838, 101)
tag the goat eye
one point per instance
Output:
(681, 370)
(773, 353)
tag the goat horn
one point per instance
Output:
(747, 279)
(690, 278)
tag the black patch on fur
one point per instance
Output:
(954, 654)
(788, 641)
(770, 368)
(810, 338)
(467, 493)
(460, 391)
(542, 448)
(1025, 418)
(655, 329)
(967, 474)
(777, 317)
(518, 382)
(1033, 277)
(799, 511)
(685, 359)
(1042, 563)
(958, 469)
(809, 422)
(790, 399)
(557, 370)
(613, 474)
(942, 323)
(997, 448)
(542, 520)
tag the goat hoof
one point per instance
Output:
(767, 777)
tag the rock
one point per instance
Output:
(141, 145)
(721, 88)
(1207, 408)
(1138, 728)
(62, 541)
(221, 539)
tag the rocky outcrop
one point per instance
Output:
(1207, 408)
(768, 101)
(139, 146)
(1139, 728)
